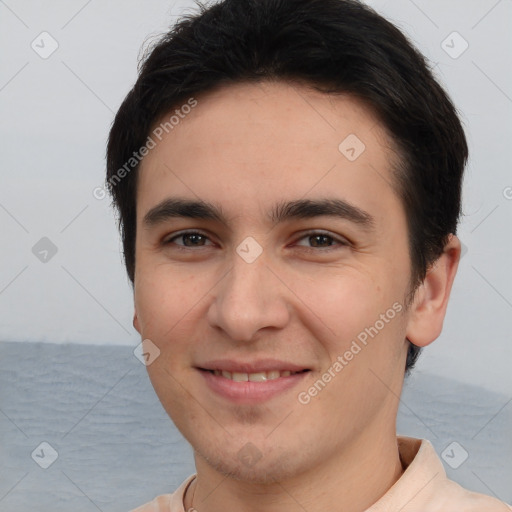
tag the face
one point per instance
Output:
(249, 286)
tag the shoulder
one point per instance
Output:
(424, 484)
(454, 496)
(468, 501)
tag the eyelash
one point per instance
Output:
(341, 241)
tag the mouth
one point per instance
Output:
(251, 387)
(263, 376)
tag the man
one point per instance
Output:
(288, 179)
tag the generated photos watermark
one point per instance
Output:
(304, 397)
(156, 135)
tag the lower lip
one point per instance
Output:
(248, 392)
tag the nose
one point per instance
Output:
(249, 298)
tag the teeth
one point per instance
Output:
(258, 377)
(253, 377)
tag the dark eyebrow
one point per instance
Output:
(310, 208)
(185, 208)
(283, 211)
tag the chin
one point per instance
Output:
(254, 467)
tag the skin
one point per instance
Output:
(246, 147)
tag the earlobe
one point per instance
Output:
(428, 309)
(136, 321)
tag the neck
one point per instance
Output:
(352, 479)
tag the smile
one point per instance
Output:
(251, 387)
(253, 377)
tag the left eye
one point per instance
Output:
(322, 240)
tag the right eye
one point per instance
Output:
(195, 239)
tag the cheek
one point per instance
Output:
(356, 313)
(163, 298)
(168, 302)
(365, 314)
(344, 300)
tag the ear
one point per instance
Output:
(428, 309)
(136, 321)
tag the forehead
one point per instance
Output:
(250, 143)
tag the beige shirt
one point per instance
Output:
(423, 487)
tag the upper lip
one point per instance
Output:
(261, 365)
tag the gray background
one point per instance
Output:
(56, 113)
